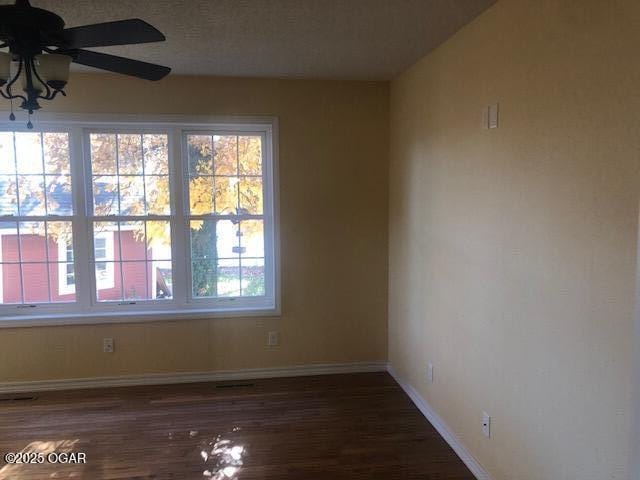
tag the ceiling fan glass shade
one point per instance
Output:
(5, 67)
(53, 68)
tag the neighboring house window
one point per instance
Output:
(104, 272)
(168, 219)
(66, 271)
(103, 250)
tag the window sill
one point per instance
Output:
(142, 316)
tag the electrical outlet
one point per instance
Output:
(272, 339)
(486, 424)
(430, 372)
(108, 345)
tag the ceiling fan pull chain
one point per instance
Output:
(29, 124)
(12, 117)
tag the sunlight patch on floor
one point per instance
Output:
(25, 471)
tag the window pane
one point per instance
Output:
(130, 154)
(28, 153)
(31, 195)
(226, 195)
(33, 246)
(62, 282)
(203, 239)
(7, 159)
(56, 153)
(253, 277)
(9, 242)
(132, 238)
(199, 150)
(157, 188)
(225, 154)
(11, 283)
(8, 195)
(214, 239)
(132, 195)
(59, 232)
(107, 278)
(36, 282)
(203, 275)
(103, 154)
(251, 195)
(228, 278)
(201, 195)
(134, 276)
(228, 240)
(252, 238)
(58, 190)
(163, 280)
(156, 154)
(105, 248)
(250, 155)
(105, 195)
(158, 240)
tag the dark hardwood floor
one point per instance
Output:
(359, 426)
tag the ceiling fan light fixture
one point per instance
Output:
(42, 49)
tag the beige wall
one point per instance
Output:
(333, 197)
(513, 251)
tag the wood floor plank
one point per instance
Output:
(355, 426)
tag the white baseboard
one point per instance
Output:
(443, 429)
(191, 377)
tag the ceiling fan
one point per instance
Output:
(41, 50)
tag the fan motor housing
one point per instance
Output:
(27, 30)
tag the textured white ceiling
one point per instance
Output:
(337, 39)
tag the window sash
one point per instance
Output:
(119, 218)
(183, 303)
(19, 218)
(267, 214)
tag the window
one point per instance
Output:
(35, 209)
(102, 220)
(131, 200)
(226, 217)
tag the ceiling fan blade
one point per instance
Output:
(122, 32)
(125, 66)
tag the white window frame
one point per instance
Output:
(86, 310)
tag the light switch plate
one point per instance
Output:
(494, 112)
(486, 424)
